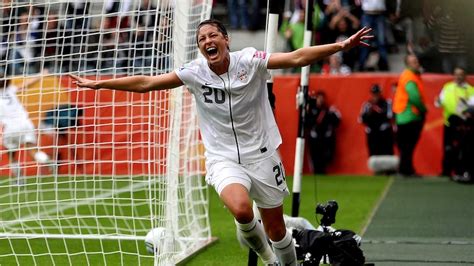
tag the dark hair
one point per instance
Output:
(375, 89)
(320, 93)
(214, 22)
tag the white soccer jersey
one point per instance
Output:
(235, 116)
(11, 110)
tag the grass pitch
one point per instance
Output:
(74, 206)
(356, 196)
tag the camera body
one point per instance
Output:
(328, 211)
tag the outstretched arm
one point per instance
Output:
(308, 55)
(139, 84)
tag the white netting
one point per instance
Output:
(118, 164)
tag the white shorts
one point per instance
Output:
(15, 135)
(265, 180)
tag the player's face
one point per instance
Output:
(213, 44)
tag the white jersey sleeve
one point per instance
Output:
(188, 73)
(258, 60)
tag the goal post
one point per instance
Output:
(118, 164)
(302, 96)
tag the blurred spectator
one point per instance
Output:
(117, 39)
(376, 114)
(293, 29)
(76, 12)
(293, 26)
(238, 14)
(333, 11)
(451, 42)
(145, 19)
(109, 52)
(343, 23)
(321, 123)
(117, 13)
(23, 52)
(91, 48)
(335, 66)
(454, 98)
(332, 7)
(373, 16)
(7, 21)
(146, 22)
(342, 26)
(76, 27)
(36, 29)
(165, 40)
(51, 36)
(406, 15)
(464, 129)
(410, 112)
(255, 15)
(35, 21)
(18, 129)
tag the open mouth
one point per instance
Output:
(211, 51)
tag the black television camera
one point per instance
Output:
(336, 247)
(328, 211)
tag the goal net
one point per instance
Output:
(85, 174)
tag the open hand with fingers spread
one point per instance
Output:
(359, 38)
(84, 83)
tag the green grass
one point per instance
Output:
(59, 202)
(355, 195)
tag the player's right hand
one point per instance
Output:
(84, 83)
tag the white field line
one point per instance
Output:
(62, 207)
(87, 236)
(377, 205)
(67, 236)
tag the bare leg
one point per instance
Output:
(281, 239)
(39, 156)
(15, 167)
(236, 199)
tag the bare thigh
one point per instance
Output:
(236, 199)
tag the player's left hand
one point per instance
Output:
(83, 83)
(359, 38)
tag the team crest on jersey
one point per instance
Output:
(260, 54)
(242, 75)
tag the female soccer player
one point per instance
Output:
(238, 128)
(18, 129)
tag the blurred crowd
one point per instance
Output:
(69, 35)
(407, 26)
(431, 29)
